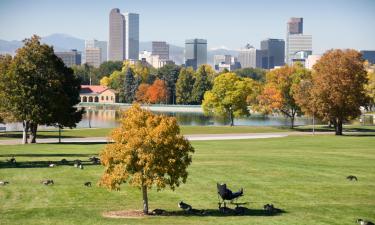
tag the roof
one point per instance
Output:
(93, 89)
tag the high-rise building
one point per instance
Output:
(311, 61)
(275, 52)
(295, 25)
(369, 56)
(70, 58)
(250, 57)
(296, 41)
(116, 45)
(160, 48)
(98, 44)
(153, 60)
(93, 56)
(123, 36)
(131, 36)
(195, 52)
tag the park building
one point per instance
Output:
(98, 93)
(70, 58)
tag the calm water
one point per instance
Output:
(109, 118)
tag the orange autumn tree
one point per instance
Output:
(142, 93)
(157, 92)
(337, 87)
(147, 151)
(279, 92)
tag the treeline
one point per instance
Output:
(171, 84)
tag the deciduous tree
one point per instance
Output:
(157, 92)
(228, 96)
(148, 151)
(39, 89)
(184, 86)
(204, 78)
(279, 91)
(142, 93)
(338, 87)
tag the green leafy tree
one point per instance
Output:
(148, 151)
(39, 89)
(108, 67)
(169, 73)
(253, 73)
(184, 86)
(228, 96)
(203, 82)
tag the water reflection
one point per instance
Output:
(109, 118)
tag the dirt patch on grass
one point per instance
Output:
(125, 214)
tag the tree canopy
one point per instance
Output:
(147, 150)
(337, 87)
(37, 88)
(184, 86)
(228, 97)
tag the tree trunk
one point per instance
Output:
(338, 126)
(292, 122)
(145, 200)
(231, 117)
(33, 130)
(25, 125)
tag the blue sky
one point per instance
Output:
(333, 23)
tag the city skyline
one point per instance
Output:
(222, 26)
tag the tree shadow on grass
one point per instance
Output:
(17, 135)
(331, 129)
(42, 164)
(217, 213)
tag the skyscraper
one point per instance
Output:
(275, 52)
(93, 56)
(123, 36)
(250, 57)
(160, 48)
(131, 36)
(295, 25)
(296, 41)
(116, 45)
(195, 52)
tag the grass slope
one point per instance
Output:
(305, 176)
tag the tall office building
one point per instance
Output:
(295, 25)
(160, 48)
(123, 36)
(250, 57)
(131, 36)
(93, 56)
(296, 41)
(195, 52)
(222, 59)
(70, 58)
(275, 52)
(98, 44)
(116, 45)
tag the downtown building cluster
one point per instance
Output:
(124, 39)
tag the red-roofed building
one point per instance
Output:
(98, 93)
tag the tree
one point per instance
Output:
(184, 86)
(253, 73)
(228, 96)
(108, 67)
(142, 93)
(147, 150)
(279, 91)
(203, 82)
(87, 73)
(130, 86)
(39, 89)
(370, 89)
(169, 73)
(157, 92)
(338, 87)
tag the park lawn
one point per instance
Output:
(304, 175)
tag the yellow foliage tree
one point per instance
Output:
(147, 150)
(105, 81)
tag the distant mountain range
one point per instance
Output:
(64, 42)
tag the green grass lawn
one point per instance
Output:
(303, 175)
